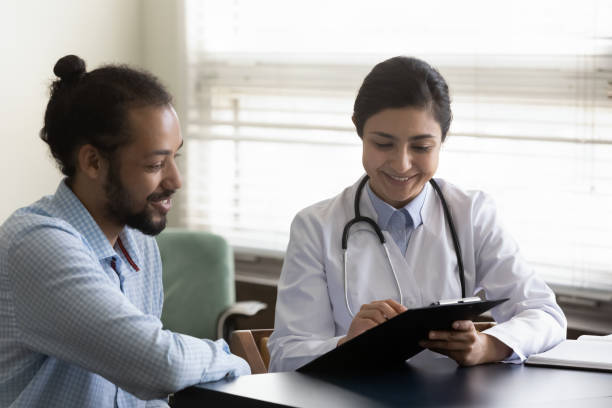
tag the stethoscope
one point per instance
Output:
(359, 218)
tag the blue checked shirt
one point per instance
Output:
(399, 222)
(79, 319)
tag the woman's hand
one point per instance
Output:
(371, 315)
(466, 344)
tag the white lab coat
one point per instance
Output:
(311, 315)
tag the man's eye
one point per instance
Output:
(156, 166)
(422, 149)
(383, 145)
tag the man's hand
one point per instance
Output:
(466, 344)
(371, 315)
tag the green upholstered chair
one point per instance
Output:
(199, 289)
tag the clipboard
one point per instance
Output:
(391, 343)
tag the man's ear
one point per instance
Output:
(90, 162)
(354, 120)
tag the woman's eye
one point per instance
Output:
(156, 166)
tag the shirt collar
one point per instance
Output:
(412, 210)
(74, 212)
(129, 242)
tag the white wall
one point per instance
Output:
(34, 34)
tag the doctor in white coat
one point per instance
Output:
(402, 114)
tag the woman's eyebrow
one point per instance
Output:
(415, 137)
(383, 134)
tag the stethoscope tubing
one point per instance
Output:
(451, 226)
(359, 218)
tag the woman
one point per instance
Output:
(402, 114)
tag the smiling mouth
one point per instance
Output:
(163, 205)
(397, 178)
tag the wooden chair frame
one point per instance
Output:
(252, 345)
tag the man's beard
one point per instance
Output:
(120, 206)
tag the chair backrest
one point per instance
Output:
(198, 277)
(252, 345)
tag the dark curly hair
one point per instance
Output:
(92, 107)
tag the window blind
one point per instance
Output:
(271, 90)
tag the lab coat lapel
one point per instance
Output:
(433, 256)
(381, 284)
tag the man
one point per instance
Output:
(80, 282)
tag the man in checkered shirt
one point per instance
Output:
(80, 274)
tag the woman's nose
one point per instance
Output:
(402, 161)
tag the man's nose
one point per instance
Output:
(173, 179)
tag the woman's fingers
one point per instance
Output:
(482, 326)
(463, 325)
(463, 334)
(397, 307)
(371, 315)
(376, 314)
(389, 308)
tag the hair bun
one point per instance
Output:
(69, 68)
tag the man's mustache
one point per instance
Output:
(161, 196)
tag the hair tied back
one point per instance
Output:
(69, 68)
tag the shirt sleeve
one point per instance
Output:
(67, 307)
(531, 321)
(157, 403)
(304, 326)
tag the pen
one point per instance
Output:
(453, 301)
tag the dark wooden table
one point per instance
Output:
(427, 380)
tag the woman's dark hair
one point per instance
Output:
(403, 82)
(92, 108)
